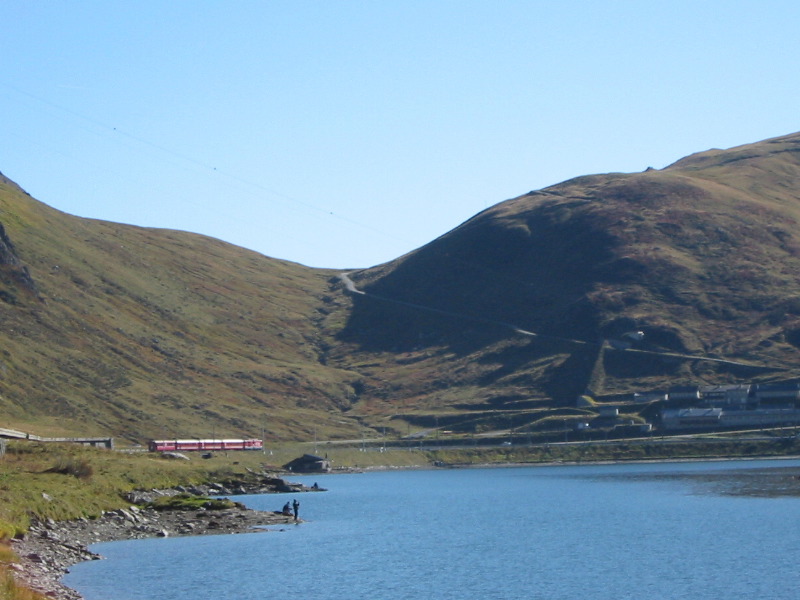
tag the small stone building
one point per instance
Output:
(308, 463)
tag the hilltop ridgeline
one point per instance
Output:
(144, 333)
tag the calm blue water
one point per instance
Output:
(603, 532)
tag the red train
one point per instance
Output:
(188, 445)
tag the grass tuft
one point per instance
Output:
(68, 465)
(9, 588)
(191, 502)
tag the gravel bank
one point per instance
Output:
(49, 548)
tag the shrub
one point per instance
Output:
(191, 502)
(78, 468)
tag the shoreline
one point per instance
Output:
(576, 463)
(49, 548)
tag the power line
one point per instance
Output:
(201, 164)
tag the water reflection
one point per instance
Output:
(772, 482)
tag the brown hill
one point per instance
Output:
(505, 321)
(140, 333)
(702, 257)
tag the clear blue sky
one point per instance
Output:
(347, 133)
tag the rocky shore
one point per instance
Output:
(49, 547)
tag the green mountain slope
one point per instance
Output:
(603, 285)
(139, 333)
(702, 257)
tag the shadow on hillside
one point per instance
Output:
(475, 285)
(378, 326)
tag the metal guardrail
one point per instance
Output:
(16, 435)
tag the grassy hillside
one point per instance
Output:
(703, 257)
(139, 333)
(514, 320)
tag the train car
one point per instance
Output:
(204, 445)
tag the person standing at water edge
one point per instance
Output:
(295, 508)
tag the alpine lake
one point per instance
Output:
(699, 530)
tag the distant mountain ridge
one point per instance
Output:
(135, 332)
